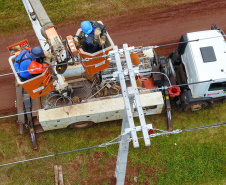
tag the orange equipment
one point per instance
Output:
(96, 65)
(149, 84)
(135, 59)
(100, 62)
(15, 49)
(71, 45)
(138, 80)
(35, 87)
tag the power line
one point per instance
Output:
(57, 154)
(141, 91)
(146, 90)
(184, 130)
(50, 155)
(203, 127)
(180, 85)
(112, 143)
(18, 114)
(109, 55)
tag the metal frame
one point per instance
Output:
(130, 94)
(35, 24)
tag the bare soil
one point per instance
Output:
(144, 27)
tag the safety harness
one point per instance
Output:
(19, 62)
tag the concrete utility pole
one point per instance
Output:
(130, 95)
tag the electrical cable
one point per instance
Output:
(18, 114)
(57, 154)
(109, 55)
(112, 143)
(164, 75)
(180, 85)
(179, 130)
(204, 127)
(141, 91)
(6, 74)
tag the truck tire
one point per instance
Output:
(219, 101)
(81, 124)
(195, 106)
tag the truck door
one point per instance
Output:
(216, 89)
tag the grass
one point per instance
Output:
(195, 157)
(13, 16)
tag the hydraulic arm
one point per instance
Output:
(49, 40)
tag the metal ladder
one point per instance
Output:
(130, 95)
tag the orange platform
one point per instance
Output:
(34, 86)
(97, 64)
(94, 65)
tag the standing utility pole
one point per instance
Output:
(130, 96)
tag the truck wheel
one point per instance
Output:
(196, 106)
(219, 101)
(81, 124)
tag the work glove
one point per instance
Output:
(81, 35)
(77, 44)
(48, 57)
(47, 62)
(97, 32)
(103, 40)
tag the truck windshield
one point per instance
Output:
(217, 86)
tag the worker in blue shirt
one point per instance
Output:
(29, 63)
(94, 34)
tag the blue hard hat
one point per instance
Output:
(86, 27)
(37, 51)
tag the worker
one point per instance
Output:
(93, 34)
(30, 62)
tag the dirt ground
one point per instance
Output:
(143, 27)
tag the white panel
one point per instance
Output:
(96, 111)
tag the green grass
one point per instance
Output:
(13, 16)
(195, 157)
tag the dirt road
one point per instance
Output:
(143, 27)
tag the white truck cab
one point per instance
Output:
(202, 58)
